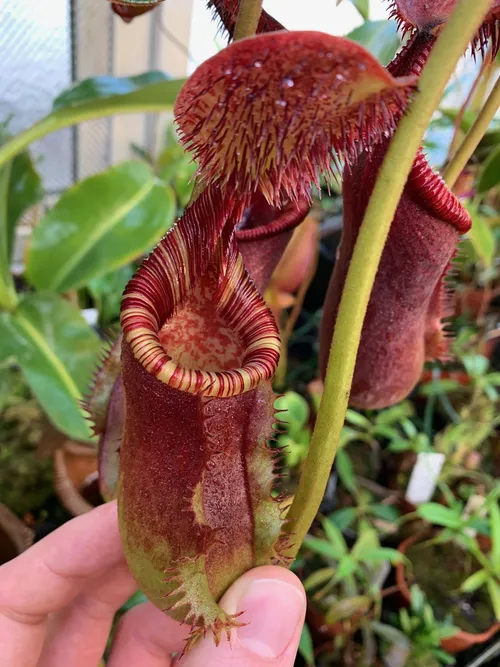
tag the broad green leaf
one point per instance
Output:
(343, 518)
(319, 578)
(57, 352)
(98, 226)
(345, 470)
(96, 98)
(482, 238)
(99, 88)
(306, 646)
(294, 411)
(381, 38)
(25, 190)
(490, 175)
(322, 548)
(439, 515)
(176, 167)
(334, 536)
(107, 292)
(474, 582)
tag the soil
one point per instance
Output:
(439, 570)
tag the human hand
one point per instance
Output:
(58, 600)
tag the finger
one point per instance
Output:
(147, 637)
(49, 575)
(273, 603)
(77, 636)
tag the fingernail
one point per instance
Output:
(272, 610)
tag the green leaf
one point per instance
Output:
(319, 578)
(438, 387)
(381, 38)
(395, 414)
(409, 428)
(98, 226)
(25, 190)
(439, 515)
(343, 518)
(495, 536)
(357, 419)
(385, 512)
(381, 555)
(475, 581)
(348, 435)
(107, 292)
(490, 174)
(346, 567)
(390, 634)
(306, 647)
(294, 411)
(367, 541)
(482, 237)
(335, 537)
(475, 364)
(57, 352)
(96, 98)
(388, 432)
(8, 297)
(417, 599)
(322, 548)
(345, 609)
(363, 7)
(345, 471)
(493, 586)
(399, 445)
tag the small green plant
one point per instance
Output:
(414, 639)
(456, 523)
(294, 417)
(351, 582)
(489, 574)
(381, 515)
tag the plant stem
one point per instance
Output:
(365, 260)
(248, 19)
(483, 73)
(471, 141)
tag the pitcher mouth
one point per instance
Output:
(165, 281)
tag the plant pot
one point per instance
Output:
(462, 640)
(76, 477)
(15, 536)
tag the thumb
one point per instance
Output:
(273, 605)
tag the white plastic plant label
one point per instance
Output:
(424, 477)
